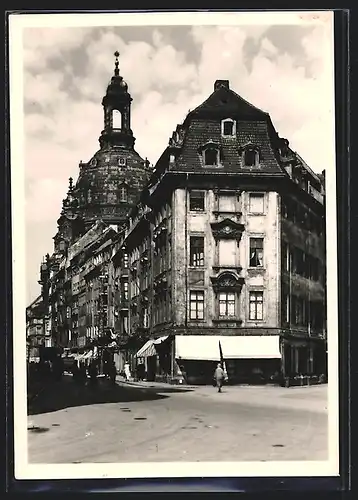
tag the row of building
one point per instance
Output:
(216, 253)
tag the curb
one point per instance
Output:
(150, 386)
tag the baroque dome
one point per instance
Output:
(110, 183)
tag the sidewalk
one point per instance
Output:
(306, 398)
(154, 385)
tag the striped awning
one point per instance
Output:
(149, 347)
(147, 350)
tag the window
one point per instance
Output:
(123, 193)
(256, 203)
(285, 307)
(227, 253)
(197, 304)
(251, 157)
(125, 260)
(285, 257)
(256, 305)
(226, 304)
(196, 251)
(211, 157)
(122, 161)
(228, 127)
(145, 318)
(256, 252)
(117, 119)
(197, 201)
(125, 290)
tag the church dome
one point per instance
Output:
(109, 185)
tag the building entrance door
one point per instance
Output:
(151, 368)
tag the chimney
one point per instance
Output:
(221, 83)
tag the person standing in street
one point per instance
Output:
(127, 371)
(112, 372)
(219, 376)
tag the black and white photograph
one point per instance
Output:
(174, 243)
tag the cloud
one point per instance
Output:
(67, 71)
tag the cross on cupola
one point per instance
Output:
(117, 112)
(116, 69)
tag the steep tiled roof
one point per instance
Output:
(201, 131)
(203, 125)
(224, 103)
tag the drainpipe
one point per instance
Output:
(151, 226)
(290, 305)
(186, 250)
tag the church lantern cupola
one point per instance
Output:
(117, 112)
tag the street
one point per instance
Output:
(157, 423)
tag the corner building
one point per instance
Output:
(225, 255)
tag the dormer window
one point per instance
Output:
(228, 128)
(251, 155)
(123, 193)
(250, 158)
(122, 161)
(210, 153)
(211, 157)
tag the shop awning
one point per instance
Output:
(160, 340)
(149, 347)
(147, 350)
(206, 347)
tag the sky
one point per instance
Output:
(284, 69)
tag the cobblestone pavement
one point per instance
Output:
(134, 422)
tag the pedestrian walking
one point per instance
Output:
(219, 376)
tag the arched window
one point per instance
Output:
(123, 193)
(116, 119)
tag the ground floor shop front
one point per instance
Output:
(247, 359)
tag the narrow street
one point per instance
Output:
(144, 422)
